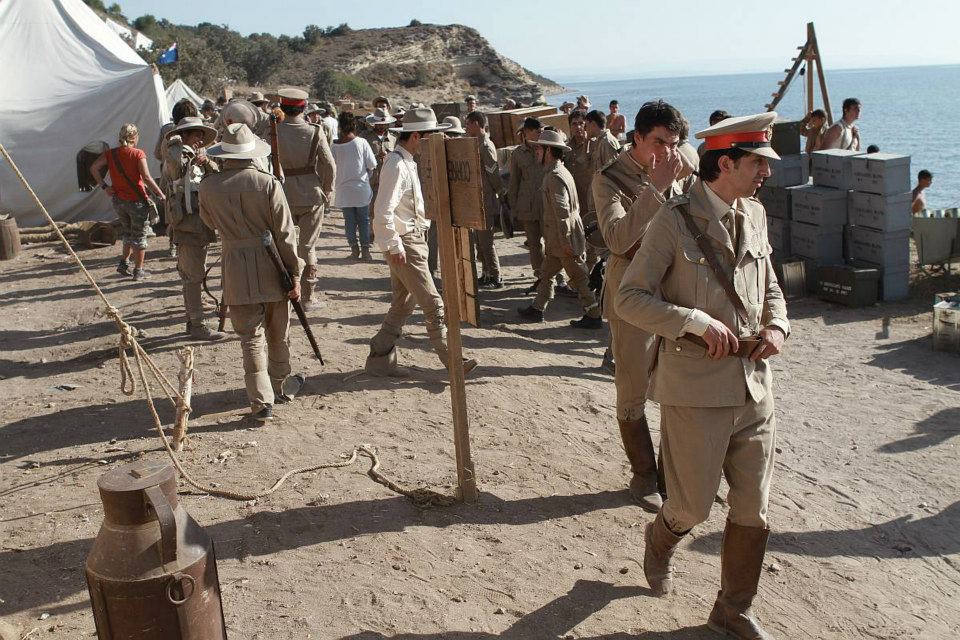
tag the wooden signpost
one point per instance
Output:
(451, 174)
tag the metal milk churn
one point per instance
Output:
(152, 572)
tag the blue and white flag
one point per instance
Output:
(169, 55)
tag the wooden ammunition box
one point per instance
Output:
(789, 171)
(852, 286)
(883, 213)
(889, 250)
(786, 137)
(823, 244)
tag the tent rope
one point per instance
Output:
(421, 497)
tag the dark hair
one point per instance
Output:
(873, 148)
(597, 117)
(405, 135)
(819, 113)
(346, 123)
(556, 152)
(183, 109)
(924, 175)
(532, 124)
(718, 116)
(614, 102)
(850, 102)
(291, 111)
(658, 113)
(478, 118)
(710, 162)
(576, 114)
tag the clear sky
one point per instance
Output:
(577, 40)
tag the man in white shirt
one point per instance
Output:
(843, 134)
(400, 228)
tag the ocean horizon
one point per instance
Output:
(906, 110)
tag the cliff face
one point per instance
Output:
(425, 63)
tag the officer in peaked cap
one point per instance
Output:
(703, 281)
(309, 173)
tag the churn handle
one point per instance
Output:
(168, 523)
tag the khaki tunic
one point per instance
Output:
(603, 149)
(578, 163)
(523, 191)
(182, 180)
(623, 225)
(562, 226)
(670, 262)
(381, 147)
(717, 416)
(241, 202)
(295, 139)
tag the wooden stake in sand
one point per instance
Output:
(443, 189)
(185, 380)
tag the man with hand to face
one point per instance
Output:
(627, 194)
(703, 281)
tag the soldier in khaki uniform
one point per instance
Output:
(184, 165)
(242, 203)
(476, 125)
(381, 142)
(309, 174)
(523, 192)
(703, 281)
(627, 193)
(563, 233)
(604, 147)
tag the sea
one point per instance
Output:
(912, 111)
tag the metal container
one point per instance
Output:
(819, 205)
(883, 173)
(823, 244)
(946, 323)
(789, 171)
(152, 571)
(833, 168)
(776, 201)
(884, 213)
(852, 286)
(889, 250)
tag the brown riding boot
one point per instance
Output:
(660, 543)
(308, 294)
(741, 561)
(643, 462)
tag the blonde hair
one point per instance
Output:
(129, 134)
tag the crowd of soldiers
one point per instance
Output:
(688, 287)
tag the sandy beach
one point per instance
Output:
(864, 506)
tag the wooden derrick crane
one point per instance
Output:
(809, 55)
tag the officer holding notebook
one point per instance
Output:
(703, 282)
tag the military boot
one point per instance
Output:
(198, 330)
(660, 543)
(308, 297)
(469, 364)
(354, 252)
(385, 365)
(643, 463)
(741, 562)
(365, 254)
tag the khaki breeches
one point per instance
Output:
(263, 330)
(633, 349)
(309, 221)
(698, 444)
(576, 272)
(487, 253)
(534, 233)
(412, 286)
(192, 265)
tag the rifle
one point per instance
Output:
(288, 286)
(275, 148)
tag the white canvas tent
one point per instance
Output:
(67, 80)
(177, 91)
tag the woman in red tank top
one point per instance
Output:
(129, 177)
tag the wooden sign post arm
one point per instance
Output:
(466, 478)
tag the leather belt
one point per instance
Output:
(305, 171)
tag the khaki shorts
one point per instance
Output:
(134, 221)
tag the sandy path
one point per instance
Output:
(865, 503)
